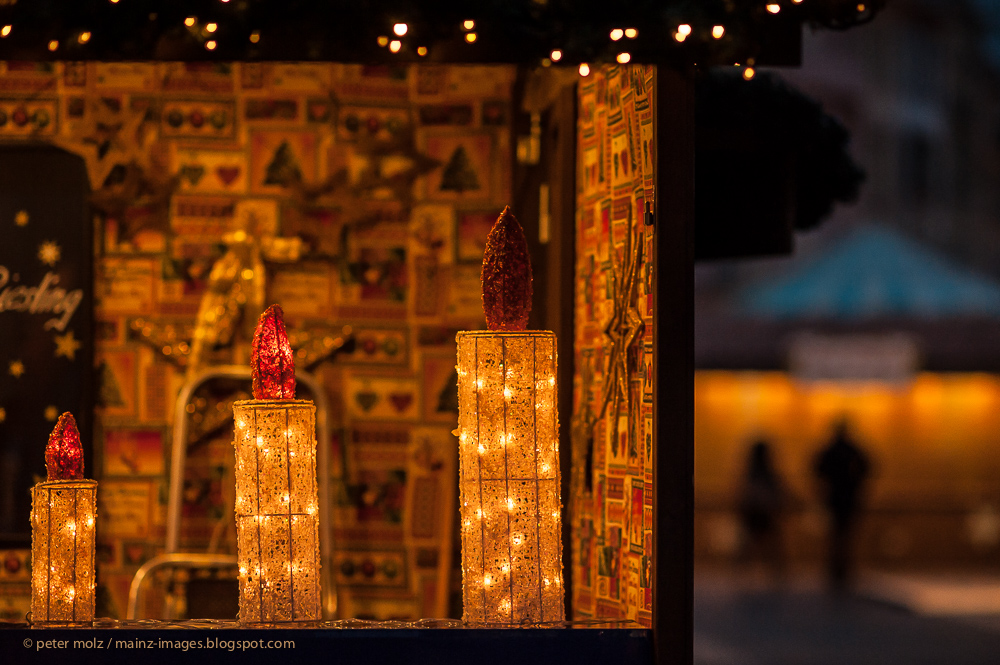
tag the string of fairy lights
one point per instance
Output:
(711, 32)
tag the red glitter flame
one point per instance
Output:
(271, 360)
(64, 454)
(506, 275)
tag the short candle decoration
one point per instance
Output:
(277, 521)
(508, 429)
(63, 514)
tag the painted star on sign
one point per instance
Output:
(21, 218)
(51, 413)
(15, 368)
(49, 253)
(67, 345)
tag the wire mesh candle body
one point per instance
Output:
(277, 503)
(63, 513)
(509, 477)
(63, 517)
(277, 524)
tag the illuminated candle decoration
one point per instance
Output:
(508, 428)
(63, 513)
(277, 521)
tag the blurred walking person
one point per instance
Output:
(761, 504)
(842, 468)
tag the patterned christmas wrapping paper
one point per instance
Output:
(611, 507)
(225, 147)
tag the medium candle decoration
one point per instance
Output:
(277, 522)
(63, 513)
(508, 429)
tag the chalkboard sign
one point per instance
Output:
(46, 318)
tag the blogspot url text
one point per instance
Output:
(108, 644)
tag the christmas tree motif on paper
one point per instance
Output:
(64, 454)
(459, 175)
(284, 168)
(272, 364)
(110, 393)
(506, 275)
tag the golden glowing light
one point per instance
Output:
(617, 34)
(399, 29)
(62, 551)
(470, 37)
(277, 526)
(584, 69)
(680, 36)
(53, 45)
(383, 41)
(211, 27)
(4, 31)
(468, 25)
(718, 31)
(421, 51)
(190, 21)
(748, 73)
(861, 8)
(254, 37)
(395, 45)
(507, 394)
(774, 8)
(556, 55)
(684, 29)
(631, 33)
(84, 37)
(210, 45)
(623, 58)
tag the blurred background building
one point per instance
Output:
(887, 315)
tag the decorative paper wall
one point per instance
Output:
(611, 506)
(260, 145)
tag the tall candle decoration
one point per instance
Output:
(63, 513)
(277, 522)
(508, 448)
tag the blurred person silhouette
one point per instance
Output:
(841, 468)
(762, 501)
